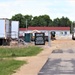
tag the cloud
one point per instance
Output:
(72, 2)
(54, 8)
(32, 7)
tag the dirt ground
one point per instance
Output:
(35, 63)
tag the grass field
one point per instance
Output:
(8, 65)
(19, 52)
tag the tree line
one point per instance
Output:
(42, 20)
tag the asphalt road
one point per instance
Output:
(60, 62)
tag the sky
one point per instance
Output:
(53, 8)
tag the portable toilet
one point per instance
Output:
(27, 37)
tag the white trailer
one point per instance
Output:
(4, 29)
(14, 29)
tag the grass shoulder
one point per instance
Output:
(7, 67)
(20, 52)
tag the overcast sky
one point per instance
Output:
(53, 8)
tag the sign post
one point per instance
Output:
(49, 39)
(39, 38)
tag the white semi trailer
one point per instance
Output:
(5, 30)
(8, 30)
(14, 29)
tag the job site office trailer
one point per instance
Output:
(14, 29)
(5, 31)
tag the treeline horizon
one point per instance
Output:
(41, 20)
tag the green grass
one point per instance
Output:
(7, 67)
(18, 52)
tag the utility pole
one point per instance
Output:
(49, 39)
(26, 24)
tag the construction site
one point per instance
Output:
(58, 44)
(11, 34)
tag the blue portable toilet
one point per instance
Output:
(27, 37)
